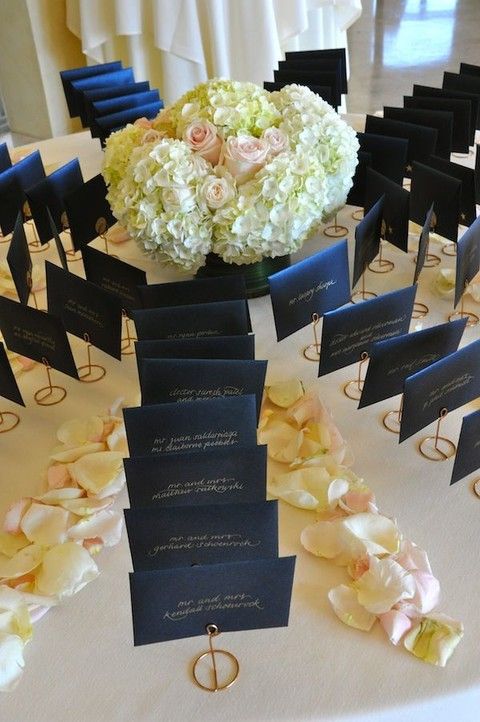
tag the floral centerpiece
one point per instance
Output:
(232, 170)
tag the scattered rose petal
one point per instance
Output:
(284, 441)
(11, 661)
(66, 568)
(77, 432)
(58, 476)
(427, 591)
(96, 472)
(434, 638)
(105, 526)
(383, 585)
(345, 605)
(45, 525)
(13, 516)
(87, 506)
(14, 616)
(22, 562)
(396, 624)
(285, 393)
(10, 544)
(58, 496)
(70, 455)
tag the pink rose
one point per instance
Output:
(244, 155)
(201, 136)
(153, 136)
(143, 123)
(276, 139)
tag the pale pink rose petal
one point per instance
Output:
(117, 234)
(13, 516)
(106, 526)
(345, 605)
(395, 624)
(427, 593)
(36, 613)
(58, 476)
(413, 557)
(359, 566)
(45, 525)
(143, 123)
(358, 500)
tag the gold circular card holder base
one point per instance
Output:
(50, 395)
(358, 215)
(419, 310)
(353, 389)
(37, 247)
(90, 373)
(436, 448)
(391, 421)
(311, 352)
(431, 260)
(450, 249)
(212, 631)
(473, 319)
(8, 421)
(362, 296)
(335, 231)
(476, 487)
(381, 265)
(127, 348)
(73, 256)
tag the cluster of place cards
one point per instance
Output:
(203, 538)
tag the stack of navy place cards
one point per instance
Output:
(203, 538)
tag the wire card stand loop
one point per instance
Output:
(312, 351)
(213, 631)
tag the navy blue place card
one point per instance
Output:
(421, 140)
(181, 380)
(106, 124)
(8, 383)
(395, 214)
(49, 193)
(356, 194)
(389, 155)
(440, 119)
(311, 76)
(464, 83)
(468, 259)
(122, 102)
(391, 361)
(221, 318)
(117, 76)
(5, 160)
(423, 242)
(13, 183)
(350, 331)
(20, 262)
(88, 211)
(469, 69)
(177, 603)
(58, 242)
(220, 476)
(425, 91)
(367, 239)
(431, 186)
(183, 536)
(192, 426)
(91, 96)
(449, 383)
(467, 458)
(315, 285)
(115, 276)
(226, 347)
(199, 290)
(315, 55)
(36, 335)
(467, 192)
(68, 76)
(460, 110)
(86, 310)
(477, 173)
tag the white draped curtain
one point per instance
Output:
(178, 43)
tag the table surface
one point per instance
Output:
(82, 657)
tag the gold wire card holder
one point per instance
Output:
(476, 487)
(312, 351)
(472, 318)
(89, 373)
(431, 260)
(380, 264)
(353, 389)
(393, 419)
(437, 448)
(359, 214)
(8, 421)
(51, 394)
(71, 254)
(201, 679)
(34, 246)
(419, 310)
(362, 294)
(335, 230)
(128, 340)
(101, 229)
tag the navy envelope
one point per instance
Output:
(468, 259)
(440, 119)
(49, 193)
(431, 186)
(114, 275)
(389, 155)
(58, 243)
(465, 83)
(122, 76)
(423, 244)
(192, 426)
(68, 76)
(449, 383)
(181, 536)
(391, 361)
(356, 194)
(5, 160)
(469, 69)
(477, 173)
(86, 207)
(227, 347)
(421, 140)
(312, 77)
(36, 335)
(461, 116)
(324, 91)
(91, 96)
(20, 262)
(177, 603)
(395, 212)
(123, 102)
(467, 192)
(467, 458)
(199, 290)
(315, 285)
(336, 53)
(13, 183)
(180, 380)
(106, 124)
(367, 239)
(221, 318)
(86, 310)
(426, 91)
(8, 383)
(221, 476)
(321, 65)
(350, 331)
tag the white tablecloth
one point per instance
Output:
(178, 43)
(81, 665)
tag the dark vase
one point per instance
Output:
(256, 274)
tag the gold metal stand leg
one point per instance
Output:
(49, 395)
(393, 419)
(335, 231)
(216, 686)
(437, 448)
(380, 264)
(419, 310)
(473, 319)
(312, 351)
(353, 389)
(362, 295)
(127, 346)
(90, 373)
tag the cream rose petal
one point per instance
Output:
(345, 605)
(322, 539)
(66, 568)
(383, 585)
(87, 506)
(13, 516)
(395, 624)
(11, 661)
(58, 496)
(80, 431)
(10, 544)
(14, 615)
(434, 638)
(285, 393)
(66, 455)
(427, 591)
(284, 441)
(23, 562)
(376, 532)
(45, 525)
(106, 525)
(96, 472)
(117, 440)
